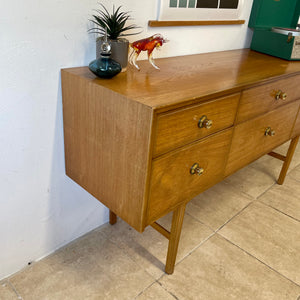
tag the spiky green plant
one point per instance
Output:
(114, 23)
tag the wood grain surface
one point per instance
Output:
(288, 160)
(154, 23)
(258, 100)
(194, 78)
(171, 181)
(176, 226)
(180, 127)
(296, 129)
(107, 142)
(249, 141)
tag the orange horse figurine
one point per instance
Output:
(147, 44)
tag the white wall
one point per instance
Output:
(41, 209)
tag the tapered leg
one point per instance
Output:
(288, 160)
(175, 232)
(112, 218)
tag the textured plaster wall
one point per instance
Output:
(41, 209)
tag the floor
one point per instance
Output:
(240, 240)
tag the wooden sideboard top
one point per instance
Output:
(195, 76)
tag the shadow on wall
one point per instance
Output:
(71, 210)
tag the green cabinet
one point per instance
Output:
(274, 25)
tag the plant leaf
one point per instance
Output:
(114, 23)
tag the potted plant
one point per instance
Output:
(115, 25)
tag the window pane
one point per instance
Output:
(207, 3)
(173, 3)
(182, 3)
(229, 3)
(192, 3)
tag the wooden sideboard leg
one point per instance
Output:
(112, 218)
(175, 232)
(288, 159)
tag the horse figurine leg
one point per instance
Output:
(133, 58)
(151, 60)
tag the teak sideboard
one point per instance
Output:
(146, 142)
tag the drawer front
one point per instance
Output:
(171, 178)
(181, 127)
(250, 141)
(259, 100)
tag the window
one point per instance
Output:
(199, 9)
(230, 4)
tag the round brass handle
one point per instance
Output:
(204, 122)
(269, 131)
(196, 169)
(280, 95)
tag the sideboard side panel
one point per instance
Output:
(107, 144)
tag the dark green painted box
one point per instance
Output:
(267, 14)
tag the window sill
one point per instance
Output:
(153, 23)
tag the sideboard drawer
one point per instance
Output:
(180, 127)
(258, 100)
(250, 139)
(171, 178)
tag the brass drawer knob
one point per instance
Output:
(280, 95)
(196, 169)
(204, 122)
(269, 131)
